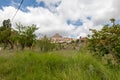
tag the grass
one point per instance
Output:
(57, 65)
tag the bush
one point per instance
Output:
(46, 45)
(106, 41)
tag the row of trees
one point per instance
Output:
(106, 40)
(23, 35)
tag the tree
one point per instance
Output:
(5, 33)
(112, 21)
(14, 38)
(106, 41)
(26, 35)
(30, 36)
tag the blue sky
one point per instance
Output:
(4, 3)
(15, 3)
(34, 3)
(26, 3)
(66, 17)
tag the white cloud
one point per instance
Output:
(49, 23)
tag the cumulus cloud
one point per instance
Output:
(53, 19)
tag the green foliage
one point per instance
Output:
(6, 24)
(106, 41)
(112, 21)
(5, 33)
(30, 36)
(46, 45)
(26, 35)
(53, 66)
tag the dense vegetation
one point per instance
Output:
(58, 65)
(24, 35)
(96, 59)
(46, 45)
(106, 41)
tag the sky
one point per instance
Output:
(69, 18)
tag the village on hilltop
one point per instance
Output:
(57, 38)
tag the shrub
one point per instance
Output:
(46, 45)
(106, 41)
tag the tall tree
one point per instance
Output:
(26, 35)
(5, 33)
